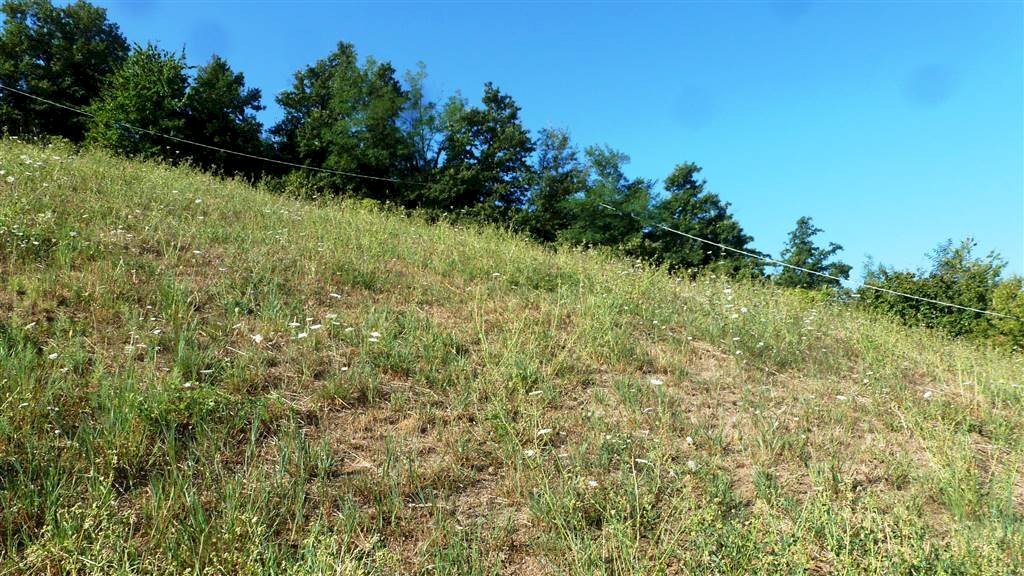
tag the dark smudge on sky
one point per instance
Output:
(929, 85)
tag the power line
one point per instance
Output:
(815, 272)
(616, 210)
(210, 147)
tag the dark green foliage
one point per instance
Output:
(558, 175)
(421, 124)
(343, 116)
(486, 155)
(59, 53)
(147, 92)
(593, 224)
(219, 111)
(956, 276)
(688, 207)
(1008, 299)
(801, 251)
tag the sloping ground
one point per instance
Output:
(196, 377)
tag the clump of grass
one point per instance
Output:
(201, 377)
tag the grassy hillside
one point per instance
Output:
(199, 377)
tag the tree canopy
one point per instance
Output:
(956, 276)
(62, 53)
(344, 116)
(147, 92)
(689, 207)
(801, 251)
(219, 110)
(380, 134)
(486, 152)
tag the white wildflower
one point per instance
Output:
(257, 338)
(53, 356)
(591, 483)
(691, 465)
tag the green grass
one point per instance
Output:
(200, 377)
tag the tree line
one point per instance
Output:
(463, 159)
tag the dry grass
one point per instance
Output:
(199, 377)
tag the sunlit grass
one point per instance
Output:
(199, 377)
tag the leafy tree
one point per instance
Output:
(688, 207)
(147, 92)
(219, 110)
(421, 123)
(62, 53)
(486, 155)
(346, 117)
(558, 176)
(1008, 299)
(801, 251)
(595, 225)
(956, 276)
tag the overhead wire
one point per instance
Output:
(211, 147)
(775, 262)
(612, 208)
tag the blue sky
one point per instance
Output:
(894, 125)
